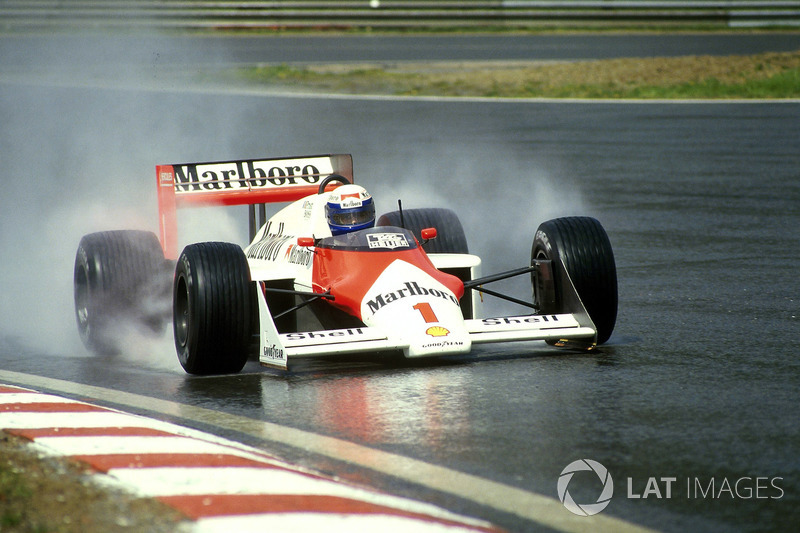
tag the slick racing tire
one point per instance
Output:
(585, 250)
(450, 234)
(212, 308)
(121, 280)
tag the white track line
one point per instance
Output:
(321, 522)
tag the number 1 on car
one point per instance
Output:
(427, 313)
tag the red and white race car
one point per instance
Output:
(321, 276)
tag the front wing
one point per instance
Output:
(276, 348)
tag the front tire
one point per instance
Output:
(585, 251)
(120, 279)
(212, 308)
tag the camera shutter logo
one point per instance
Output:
(585, 509)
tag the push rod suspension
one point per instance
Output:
(471, 284)
(312, 297)
(326, 295)
(505, 297)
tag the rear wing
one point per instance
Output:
(247, 182)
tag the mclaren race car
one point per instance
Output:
(322, 276)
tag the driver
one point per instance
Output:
(349, 208)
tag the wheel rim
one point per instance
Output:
(182, 312)
(82, 299)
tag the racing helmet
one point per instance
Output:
(349, 208)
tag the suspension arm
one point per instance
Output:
(471, 284)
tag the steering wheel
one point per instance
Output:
(330, 179)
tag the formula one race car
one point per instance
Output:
(322, 277)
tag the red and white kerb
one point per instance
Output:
(217, 484)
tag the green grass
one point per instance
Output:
(14, 493)
(746, 77)
(785, 85)
(780, 86)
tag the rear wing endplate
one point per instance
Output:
(246, 182)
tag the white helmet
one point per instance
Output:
(349, 208)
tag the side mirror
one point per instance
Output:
(428, 233)
(305, 241)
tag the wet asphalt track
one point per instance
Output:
(701, 202)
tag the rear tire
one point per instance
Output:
(450, 234)
(120, 279)
(213, 308)
(585, 250)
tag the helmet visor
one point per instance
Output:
(354, 217)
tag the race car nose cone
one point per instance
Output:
(416, 310)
